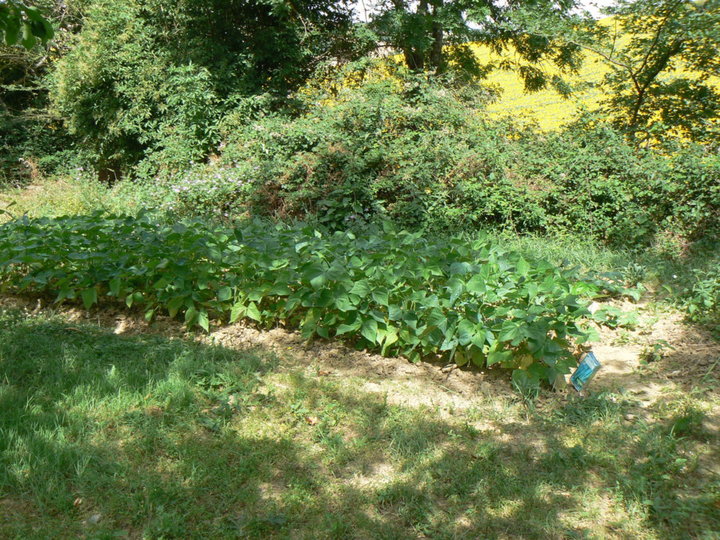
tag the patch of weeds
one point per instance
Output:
(624, 337)
(615, 317)
(654, 352)
(601, 406)
(634, 273)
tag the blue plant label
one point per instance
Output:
(585, 371)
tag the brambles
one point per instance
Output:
(384, 290)
(427, 158)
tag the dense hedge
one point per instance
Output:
(428, 159)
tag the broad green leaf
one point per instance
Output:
(369, 330)
(461, 358)
(460, 268)
(237, 311)
(381, 297)
(253, 312)
(448, 344)
(224, 294)
(324, 299)
(465, 332)
(89, 297)
(455, 287)
(477, 284)
(477, 356)
(497, 357)
(322, 332)
(361, 288)
(509, 331)
(347, 328)
(203, 320)
(280, 289)
(394, 313)
(256, 294)
(437, 319)
(318, 281)
(343, 303)
(523, 267)
(174, 305)
(391, 336)
(114, 286)
(28, 39)
(191, 315)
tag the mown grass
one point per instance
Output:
(103, 435)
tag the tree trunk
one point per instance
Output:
(437, 58)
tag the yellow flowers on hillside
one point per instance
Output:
(547, 109)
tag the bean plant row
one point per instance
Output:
(394, 292)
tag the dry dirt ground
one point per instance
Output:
(660, 355)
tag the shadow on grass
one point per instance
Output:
(152, 437)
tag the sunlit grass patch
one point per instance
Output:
(146, 436)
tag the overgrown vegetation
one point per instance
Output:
(284, 129)
(386, 290)
(426, 158)
(282, 164)
(244, 126)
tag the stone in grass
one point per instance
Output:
(93, 520)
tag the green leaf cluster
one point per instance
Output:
(23, 24)
(384, 290)
(427, 158)
(146, 80)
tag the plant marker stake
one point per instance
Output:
(585, 371)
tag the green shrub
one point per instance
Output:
(702, 298)
(601, 187)
(591, 182)
(146, 81)
(688, 193)
(208, 191)
(121, 94)
(427, 158)
(385, 290)
(413, 152)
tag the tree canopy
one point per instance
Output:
(435, 36)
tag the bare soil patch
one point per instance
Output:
(659, 355)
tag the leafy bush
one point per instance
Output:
(208, 191)
(703, 300)
(427, 158)
(688, 193)
(416, 153)
(385, 290)
(147, 80)
(128, 102)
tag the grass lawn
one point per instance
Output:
(149, 436)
